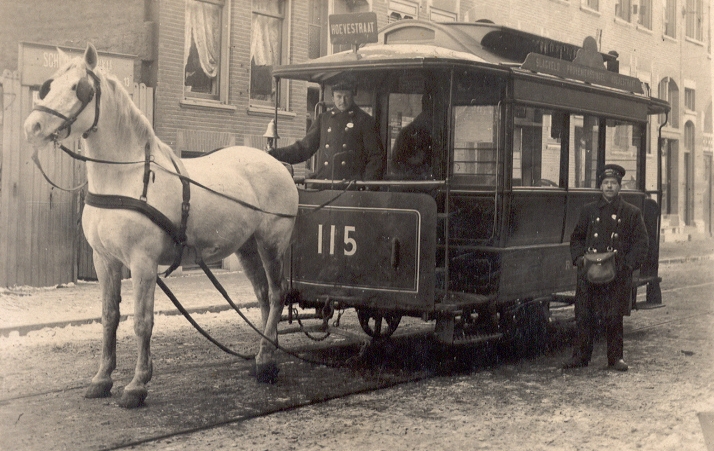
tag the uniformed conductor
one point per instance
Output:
(609, 222)
(345, 139)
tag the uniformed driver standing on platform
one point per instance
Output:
(345, 139)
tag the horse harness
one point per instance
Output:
(119, 202)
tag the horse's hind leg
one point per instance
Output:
(109, 274)
(269, 294)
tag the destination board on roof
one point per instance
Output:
(38, 62)
(565, 69)
(358, 28)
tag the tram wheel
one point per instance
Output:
(372, 322)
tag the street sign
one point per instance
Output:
(354, 29)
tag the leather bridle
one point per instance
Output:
(85, 93)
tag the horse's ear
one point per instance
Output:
(90, 56)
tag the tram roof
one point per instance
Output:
(417, 43)
(414, 43)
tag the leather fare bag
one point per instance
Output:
(600, 267)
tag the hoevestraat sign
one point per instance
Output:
(358, 28)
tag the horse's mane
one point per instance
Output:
(128, 116)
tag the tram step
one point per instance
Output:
(456, 301)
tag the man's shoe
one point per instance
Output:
(620, 365)
(574, 363)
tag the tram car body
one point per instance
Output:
(476, 237)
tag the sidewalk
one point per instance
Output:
(24, 309)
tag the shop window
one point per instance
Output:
(206, 49)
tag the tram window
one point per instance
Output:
(536, 147)
(623, 144)
(584, 131)
(410, 135)
(475, 155)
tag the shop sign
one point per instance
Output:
(38, 62)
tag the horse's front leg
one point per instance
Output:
(109, 274)
(143, 278)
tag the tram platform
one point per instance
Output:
(24, 309)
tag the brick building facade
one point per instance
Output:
(231, 45)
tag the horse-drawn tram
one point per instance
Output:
(470, 226)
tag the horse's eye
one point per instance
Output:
(74, 87)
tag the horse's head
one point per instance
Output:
(62, 110)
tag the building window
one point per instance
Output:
(438, 15)
(400, 10)
(689, 99)
(206, 50)
(593, 4)
(669, 91)
(645, 14)
(670, 18)
(694, 21)
(708, 125)
(317, 29)
(622, 9)
(266, 48)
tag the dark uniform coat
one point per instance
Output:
(347, 146)
(599, 222)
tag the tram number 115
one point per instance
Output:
(350, 244)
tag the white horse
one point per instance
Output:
(257, 229)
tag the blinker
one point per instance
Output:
(45, 88)
(85, 91)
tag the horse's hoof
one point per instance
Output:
(99, 390)
(267, 373)
(132, 399)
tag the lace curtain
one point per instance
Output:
(265, 41)
(203, 28)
